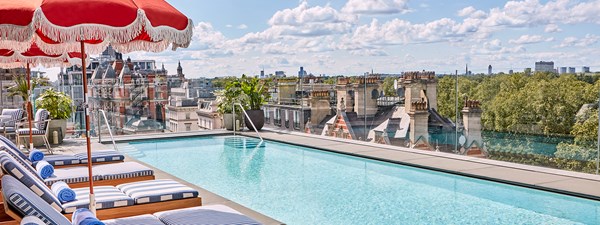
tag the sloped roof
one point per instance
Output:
(110, 73)
(98, 73)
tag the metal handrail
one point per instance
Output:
(252, 123)
(109, 130)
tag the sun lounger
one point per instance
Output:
(105, 174)
(80, 159)
(23, 202)
(111, 201)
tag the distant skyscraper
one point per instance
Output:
(542, 66)
(563, 70)
(262, 74)
(510, 71)
(571, 69)
(490, 70)
(527, 71)
(301, 73)
(585, 69)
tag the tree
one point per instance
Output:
(388, 87)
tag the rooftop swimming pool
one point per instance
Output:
(299, 185)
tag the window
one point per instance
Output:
(297, 119)
(374, 94)
(78, 92)
(187, 115)
(188, 127)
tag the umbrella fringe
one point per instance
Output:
(88, 31)
(133, 46)
(17, 60)
(16, 32)
(17, 46)
(70, 47)
(181, 38)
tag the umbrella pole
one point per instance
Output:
(29, 108)
(87, 129)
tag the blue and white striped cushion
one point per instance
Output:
(11, 146)
(27, 203)
(135, 220)
(122, 171)
(157, 191)
(61, 160)
(13, 115)
(70, 175)
(101, 156)
(205, 215)
(35, 131)
(29, 180)
(17, 159)
(41, 115)
(106, 197)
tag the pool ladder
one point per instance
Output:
(248, 117)
(109, 130)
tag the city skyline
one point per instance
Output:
(351, 37)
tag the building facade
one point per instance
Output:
(543, 66)
(181, 115)
(208, 117)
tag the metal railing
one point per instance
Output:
(248, 117)
(109, 130)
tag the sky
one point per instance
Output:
(351, 37)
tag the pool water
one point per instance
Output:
(299, 185)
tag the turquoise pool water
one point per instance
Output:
(299, 185)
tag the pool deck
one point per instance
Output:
(561, 181)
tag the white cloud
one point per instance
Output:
(588, 40)
(376, 6)
(242, 26)
(229, 26)
(552, 28)
(529, 39)
(400, 32)
(530, 13)
(471, 12)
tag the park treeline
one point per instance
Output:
(544, 104)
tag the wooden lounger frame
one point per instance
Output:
(149, 208)
(85, 164)
(126, 211)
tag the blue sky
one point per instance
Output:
(389, 36)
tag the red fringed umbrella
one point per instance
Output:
(150, 25)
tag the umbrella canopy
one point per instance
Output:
(16, 22)
(150, 25)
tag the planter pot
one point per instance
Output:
(228, 121)
(56, 125)
(257, 117)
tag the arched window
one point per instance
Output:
(374, 94)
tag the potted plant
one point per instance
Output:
(226, 98)
(258, 95)
(60, 107)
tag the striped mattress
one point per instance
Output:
(157, 191)
(106, 197)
